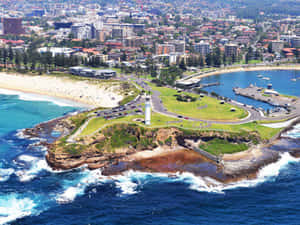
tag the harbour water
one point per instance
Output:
(31, 193)
(283, 81)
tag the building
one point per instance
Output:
(56, 51)
(295, 42)
(101, 35)
(135, 27)
(203, 48)
(148, 111)
(36, 13)
(13, 26)
(277, 46)
(121, 32)
(83, 31)
(62, 25)
(179, 46)
(133, 42)
(231, 50)
(164, 49)
(86, 72)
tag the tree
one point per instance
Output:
(270, 48)
(224, 59)
(201, 61)
(169, 75)
(182, 65)
(18, 60)
(124, 56)
(217, 57)
(209, 59)
(10, 54)
(25, 60)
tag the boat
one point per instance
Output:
(294, 79)
(266, 78)
(259, 75)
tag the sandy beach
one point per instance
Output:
(252, 68)
(88, 93)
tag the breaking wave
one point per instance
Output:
(294, 133)
(35, 166)
(75, 188)
(13, 207)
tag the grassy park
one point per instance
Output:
(159, 120)
(217, 146)
(206, 108)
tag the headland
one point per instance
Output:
(217, 142)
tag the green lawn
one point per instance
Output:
(217, 146)
(159, 120)
(265, 132)
(203, 108)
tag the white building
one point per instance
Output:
(203, 48)
(82, 31)
(56, 51)
(147, 111)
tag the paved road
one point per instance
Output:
(253, 114)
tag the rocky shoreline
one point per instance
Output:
(167, 158)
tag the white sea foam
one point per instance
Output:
(129, 182)
(125, 184)
(20, 134)
(35, 97)
(12, 208)
(27, 158)
(266, 173)
(77, 188)
(5, 174)
(37, 165)
(294, 133)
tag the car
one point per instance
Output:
(179, 116)
(186, 118)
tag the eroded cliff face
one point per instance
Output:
(121, 142)
(111, 145)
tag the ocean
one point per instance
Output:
(31, 193)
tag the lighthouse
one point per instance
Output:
(147, 111)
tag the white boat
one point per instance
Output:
(294, 79)
(266, 78)
(259, 75)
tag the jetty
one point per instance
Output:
(269, 96)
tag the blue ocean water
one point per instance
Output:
(31, 193)
(283, 81)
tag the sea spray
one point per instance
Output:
(76, 187)
(294, 133)
(13, 207)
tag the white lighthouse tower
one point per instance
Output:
(147, 111)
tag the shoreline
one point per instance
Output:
(44, 97)
(245, 166)
(248, 69)
(79, 93)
